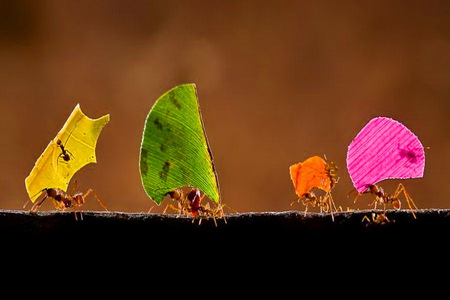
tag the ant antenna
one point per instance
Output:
(26, 203)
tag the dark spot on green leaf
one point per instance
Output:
(174, 100)
(143, 164)
(165, 171)
(158, 124)
(163, 148)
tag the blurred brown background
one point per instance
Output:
(278, 81)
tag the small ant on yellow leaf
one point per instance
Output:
(63, 201)
(190, 204)
(381, 198)
(65, 154)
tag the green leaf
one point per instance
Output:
(175, 152)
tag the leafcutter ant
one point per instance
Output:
(190, 204)
(377, 218)
(331, 170)
(63, 201)
(65, 154)
(329, 177)
(381, 198)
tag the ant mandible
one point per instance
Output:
(381, 198)
(63, 201)
(190, 204)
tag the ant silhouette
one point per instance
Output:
(65, 154)
(63, 201)
(377, 218)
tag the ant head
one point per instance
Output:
(374, 189)
(175, 194)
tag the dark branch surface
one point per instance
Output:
(243, 232)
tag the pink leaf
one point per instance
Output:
(384, 149)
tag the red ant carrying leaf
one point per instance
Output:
(190, 204)
(383, 199)
(63, 201)
(315, 172)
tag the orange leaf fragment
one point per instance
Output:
(312, 173)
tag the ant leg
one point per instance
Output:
(407, 195)
(331, 205)
(36, 205)
(366, 218)
(57, 205)
(57, 161)
(374, 203)
(173, 208)
(222, 214)
(70, 153)
(75, 212)
(74, 186)
(306, 206)
(182, 207)
(401, 189)
(80, 209)
(25, 204)
(353, 191)
(203, 196)
(222, 206)
(396, 203)
(374, 217)
(209, 213)
(298, 200)
(91, 191)
(214, 218)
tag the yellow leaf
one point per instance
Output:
(71, 149)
